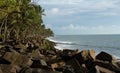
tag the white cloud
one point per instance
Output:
(56, 2)
(100, 29)
(73, 27)
(108, 13)
(80, 6)
(54, 10)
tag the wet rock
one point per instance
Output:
(104, 57)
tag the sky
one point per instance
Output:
(74, 17)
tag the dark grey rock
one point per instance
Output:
(104, 57)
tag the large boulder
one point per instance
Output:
(86, 57)
(11, 56)
(88, 54)
(76, 66)
(24, 61)
(68, 54)
(104, 57)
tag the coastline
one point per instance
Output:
(63, 44)
(40, 56)
(25, 48)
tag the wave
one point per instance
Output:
(78, 44)
(61, 42)
(71, 45)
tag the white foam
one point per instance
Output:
(118, 58)
(61, 44)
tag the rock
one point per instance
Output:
(43, 63)
(76, 66)
(112, 67)
(38, 64)
(1, 46)
(8, 68)
(53, 59)
(24, 61)
(88, 54)
(1, 70)
(20, 47)
(103, 70)
(86, 57)
(27, 62)
(30, 47)
(104, 57)
(116, 67)
(36, 54)
(68, 69)
(38, 70)
(29, 70)
(67, 54)
(50, 52)
(11, 56)
(58, 65)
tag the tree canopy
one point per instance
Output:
(20, 19)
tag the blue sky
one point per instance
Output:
(82, 16)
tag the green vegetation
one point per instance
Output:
(20, 19)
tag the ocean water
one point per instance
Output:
(107, 43)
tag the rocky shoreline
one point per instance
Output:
(30, 56)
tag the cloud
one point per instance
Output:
(68, 7)
(54, 10)
(79, 29)
(104, 14)
(108, 13)
(74, 27)
(56, 2)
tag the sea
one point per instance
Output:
(106, 43)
